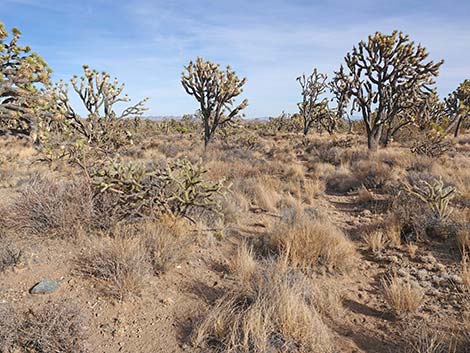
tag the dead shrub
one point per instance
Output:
(54, 327)
(271, 314)
(342, 181)
(10, 256)
(117, 265)
(402, 296)
(307, 243)
(52, 208)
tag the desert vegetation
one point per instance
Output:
(312, 231)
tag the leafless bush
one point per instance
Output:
(10, 256)
(54, 327)
(53, 208)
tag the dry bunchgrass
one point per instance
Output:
(411, 249)
(117, 265)
(271, 313)
(163, 246)
(427, 340)
(364, 196)
(307, 243)
(51, 208)
(375, 241)
(312, 189)
(54, 327)
(401, 296)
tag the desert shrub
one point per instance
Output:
(117, 265)
(54, 327)
(270, 313)
(178, 190)
(432, 145)
(306, 243)
(402, 296)
(343, 180)
(374, 174)
(10, 256)
(53, 208)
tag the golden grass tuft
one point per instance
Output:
(271, 314)
(307, 243)
(375, 241)
(401, 296)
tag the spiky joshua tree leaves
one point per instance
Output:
(215, 90)
(24, 79)
(388, 74)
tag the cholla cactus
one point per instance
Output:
(313, 86)
(435, 195)
(215, 90)
(24, 78)
(177, 190)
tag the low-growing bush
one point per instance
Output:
(54, 327)
(52, 208)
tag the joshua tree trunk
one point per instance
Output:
(373, 137)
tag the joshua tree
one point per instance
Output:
(339, 87)
(24, 77)
(458, 106)
(103, 128)
(313, 86)
(388, 75)
(215, 90)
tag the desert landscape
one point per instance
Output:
(343, 226)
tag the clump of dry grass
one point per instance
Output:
(364, 196)
(313, 188)
(54, 327)
(52, 208)
(117, 265)
(375, 241)
(427, 340)
(164, 247)
(401, 296)
(271, 313)
(306, 243)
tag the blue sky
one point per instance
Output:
(146, 43)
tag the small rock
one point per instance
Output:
(44, 287)
(422, 275)
(430, 259)
(367, 213)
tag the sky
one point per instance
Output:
(146, 43)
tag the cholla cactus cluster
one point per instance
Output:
(434, 194)
(177, 190)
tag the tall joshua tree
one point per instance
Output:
(24, 77)
(458, 106)
(215, 90)
(313, 86)
(340, 90)
(387, 75)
